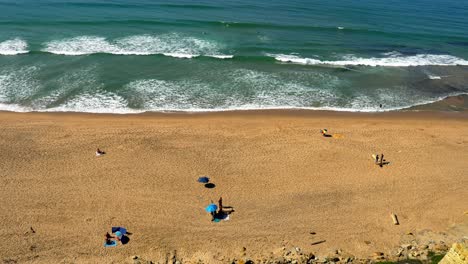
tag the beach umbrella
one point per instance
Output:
(211, 208)
(203, 179)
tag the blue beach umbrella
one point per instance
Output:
(211, 208)
(203, 179)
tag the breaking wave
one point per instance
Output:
(173, 45)
(242, 89)
(13, 47)
(394, 60)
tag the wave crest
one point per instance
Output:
(392, 61)
(13, 47)
(172, 45)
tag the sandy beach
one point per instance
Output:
(284, 180)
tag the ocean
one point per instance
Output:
(131, 56)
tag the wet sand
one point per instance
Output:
(283, 179)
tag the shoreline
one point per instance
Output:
(283, 178)
(452, 104)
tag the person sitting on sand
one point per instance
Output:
(118, 235)
(325, 132)
(109, 239)
(100, 152)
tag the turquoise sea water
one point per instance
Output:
(125, 56)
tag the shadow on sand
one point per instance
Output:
(210, 185)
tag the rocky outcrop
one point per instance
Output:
(458, 254)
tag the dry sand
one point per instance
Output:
(283, 179)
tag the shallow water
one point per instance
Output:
(133, 56)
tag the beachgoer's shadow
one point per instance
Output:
(210, 185)
(223, 213)
(383, 163)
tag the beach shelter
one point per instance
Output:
(211, 208)
(203, 179)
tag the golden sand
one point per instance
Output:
(282, 177)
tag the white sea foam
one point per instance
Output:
(81, 46)
(222, 56)
(101, 105)
(15, 108)
(434, 77)
(13, 47)
(392, 54)
(391, 61)
(180, 55)
(173, 45)
(243, 89)
(97, 102)
(17, 84)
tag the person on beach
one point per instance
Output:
(377, 159)
(213, 215)
(118, 235)
(109, 239)
(324, 132)
(220, 203)
(100, 152)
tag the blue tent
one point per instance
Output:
(211, 208)
(203, 179)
